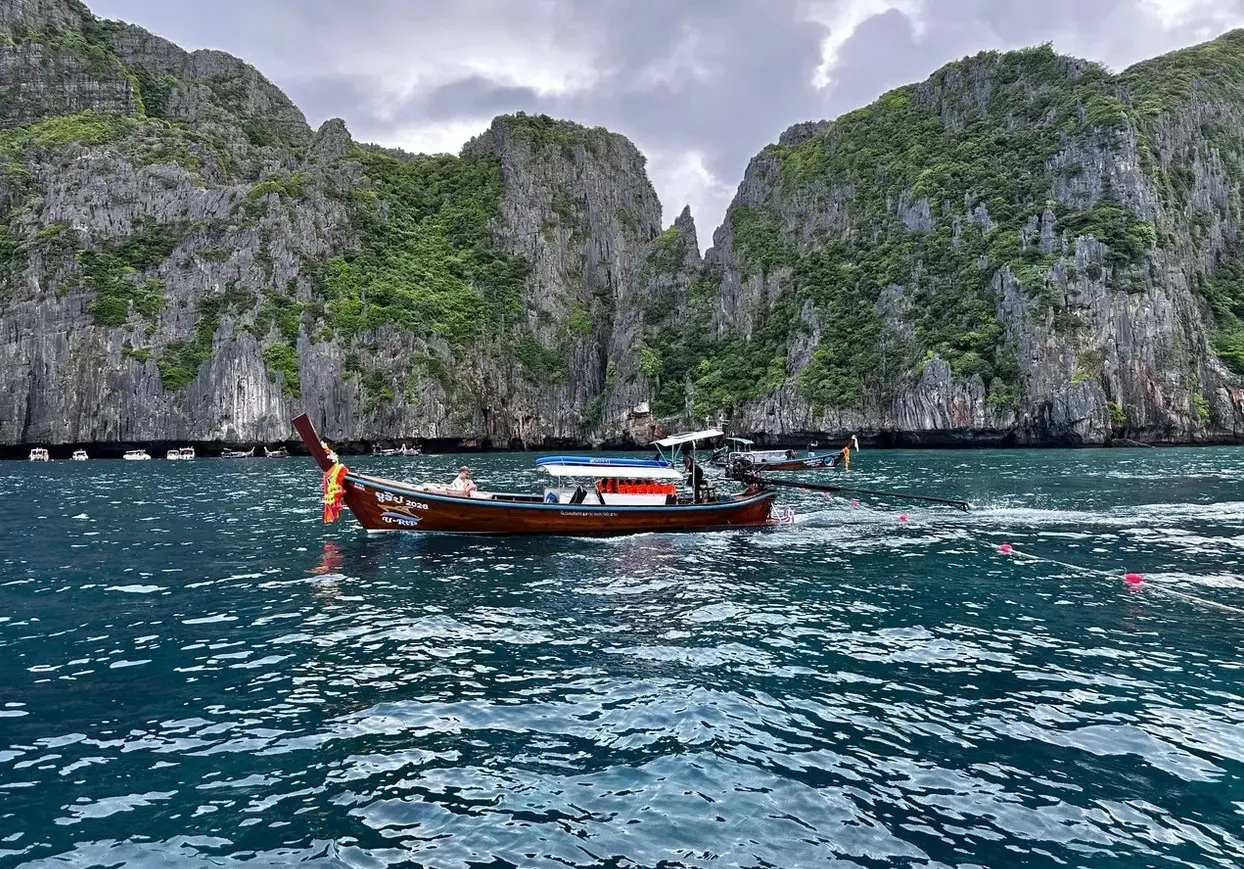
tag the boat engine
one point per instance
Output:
(741, 468)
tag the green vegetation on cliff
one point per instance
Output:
(111, 274)
(180, 361)
(85, 128)
(426, 261)
(1210, 71)
(1224, 292)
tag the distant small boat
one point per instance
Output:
(80, 456)
(136, 456)
(403, 450)
(278, 453)
(238, 454)
(739, 452)
(184, 454)
(39, 454)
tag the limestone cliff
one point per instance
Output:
(183, 258)
(1023, 249)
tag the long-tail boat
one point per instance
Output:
(738, 451)
(622, 496)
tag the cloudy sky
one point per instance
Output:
(699, 85)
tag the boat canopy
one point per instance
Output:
(741, 441)
(624, 472)
(675, 440)
(602, 460)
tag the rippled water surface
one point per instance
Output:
(195, 671)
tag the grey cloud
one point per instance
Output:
(467, 98)
(758, 56)
(884, 53)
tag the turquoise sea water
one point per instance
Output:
(194, 671)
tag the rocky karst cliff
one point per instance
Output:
(1024, 248)
(182, 257)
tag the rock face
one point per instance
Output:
(183, 259)
(1023, 249)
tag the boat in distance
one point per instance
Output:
(633, 498)
(739, 451)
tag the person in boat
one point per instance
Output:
(695, 477)
(463, 484)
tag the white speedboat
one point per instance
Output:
(136, 456)
(39, 454)
(80, 456)
(183, 454)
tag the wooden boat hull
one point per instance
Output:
(381, 505)
(387, 505)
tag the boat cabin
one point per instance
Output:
(593, 481)
(613, 485)
(39, 454)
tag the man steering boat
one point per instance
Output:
(695, 478)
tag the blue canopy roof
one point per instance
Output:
(612, 461)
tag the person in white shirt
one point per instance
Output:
(463, 483)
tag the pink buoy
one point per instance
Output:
(854, 503)
(1006, 549)
(1133, 578)
(902, 517)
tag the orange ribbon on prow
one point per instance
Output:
(334, 491)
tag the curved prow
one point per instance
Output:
(302, 424)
